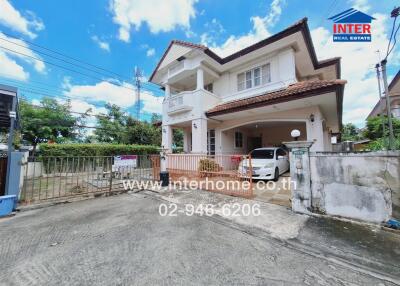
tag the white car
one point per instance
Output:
(266, 163)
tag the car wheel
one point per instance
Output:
(276, 175)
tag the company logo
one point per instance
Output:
(352, 26)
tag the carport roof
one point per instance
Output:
(292, 92)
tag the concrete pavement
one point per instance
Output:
(122, 240)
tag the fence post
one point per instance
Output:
(300, 175)
(111, 176)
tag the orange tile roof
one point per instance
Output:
(292, 92)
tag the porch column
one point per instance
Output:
(300, 176)
(167, 91)
(200, 78)
(199, 136)
(166, 144)
(186, 140)
(166, 139)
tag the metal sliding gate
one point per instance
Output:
(227, 174)
(52, 178)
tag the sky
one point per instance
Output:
(87, 51)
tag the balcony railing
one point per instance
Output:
(175, 101)
(180, 102)
(187, 100)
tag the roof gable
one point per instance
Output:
(395, 83)
(174, 52)
(300, 26)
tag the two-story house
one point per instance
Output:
(252, 98)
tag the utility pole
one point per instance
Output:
(378, 75)
(138, 85)
(388, 108)
(394, 14)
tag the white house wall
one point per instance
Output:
(283, 72)
(174, 52)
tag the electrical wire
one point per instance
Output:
(149, 85)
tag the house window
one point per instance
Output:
(240, 79)
(211, 142)
(209, 87)
(238, 139)
(254, 77)
(266, 73)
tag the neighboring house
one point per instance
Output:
(252, 98)
(394, 95)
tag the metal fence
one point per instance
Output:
(228, 174)
(49, 178)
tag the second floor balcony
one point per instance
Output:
(194, 102)
(190, 93)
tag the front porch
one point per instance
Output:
(243, 134)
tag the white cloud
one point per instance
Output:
(214, 29)
(358, 61)
(150, 52)
(13, 19)
(259, 32)
(21, 47)
(104, 92)
(159, 15)
(102, 44)
(12, 69)
(361, 5)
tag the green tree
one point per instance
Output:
(155, 118)
(143, 133)
(374, 127)
(112, 127)
(350, 132)
(50, 121)
(119, 127)
(177, 136)
(379, 135)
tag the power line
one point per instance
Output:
(52, 95)
(149, 85)
(66, 68)
(394, 14)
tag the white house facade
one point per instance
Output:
(252, 98)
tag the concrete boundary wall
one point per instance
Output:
(364, 186)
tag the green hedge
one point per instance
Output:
(75, 150)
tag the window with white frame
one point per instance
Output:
(238, 139)
(254, 77)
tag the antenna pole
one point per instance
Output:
(138, 85)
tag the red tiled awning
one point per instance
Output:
(292, 92)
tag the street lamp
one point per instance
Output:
(295, 134)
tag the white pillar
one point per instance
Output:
(199, 136)
(186, 140)
(166, 140)
(200, 78)
(167, 91)
(315, 133)
(166, 143)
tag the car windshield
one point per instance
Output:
(263, 154)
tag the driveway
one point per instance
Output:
(122, 240)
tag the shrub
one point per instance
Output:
(209, 166)
(76, 150)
